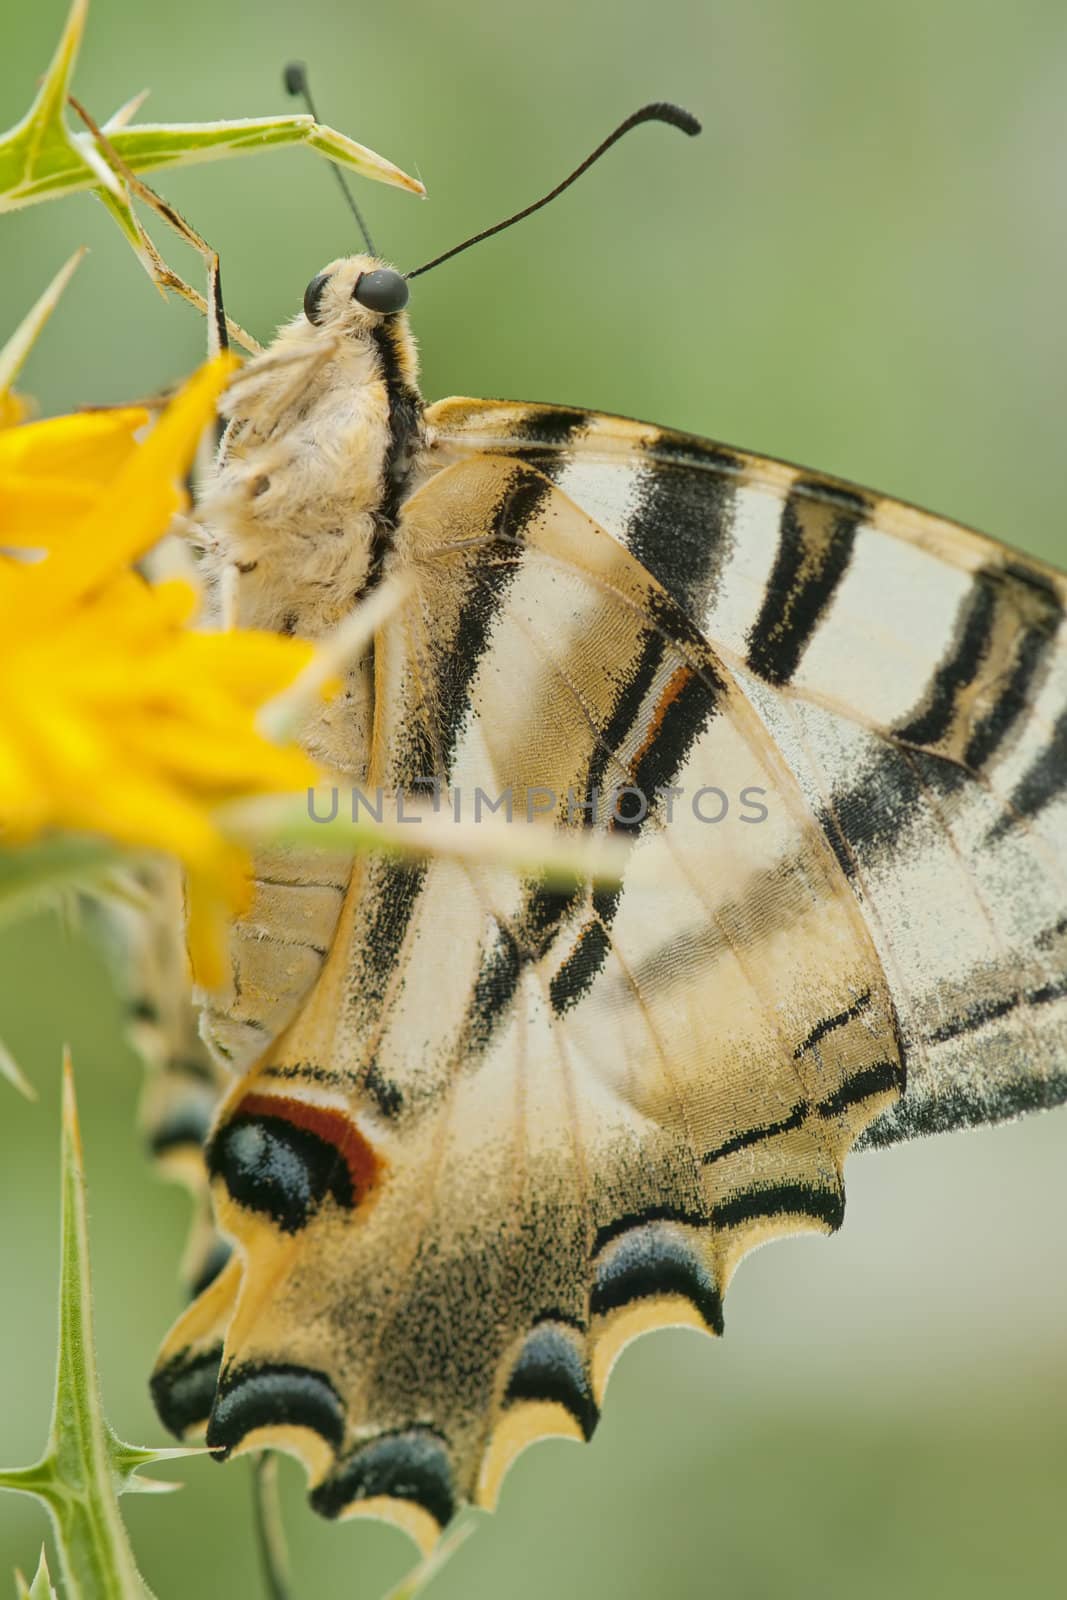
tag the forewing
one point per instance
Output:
(913, 674)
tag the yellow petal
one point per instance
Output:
(147, 814)
(139, 504)
(207, 912)
(90, 445)
(246, 663)
(37, 513)
(218, 760)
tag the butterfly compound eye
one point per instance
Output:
(312, 296)
(381, 290)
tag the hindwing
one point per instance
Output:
(512, 1126)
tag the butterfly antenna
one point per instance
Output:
(295, 78)
(658, 111)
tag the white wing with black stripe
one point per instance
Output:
(914, 676)
(512, 1127)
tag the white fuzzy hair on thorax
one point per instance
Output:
(290, 504)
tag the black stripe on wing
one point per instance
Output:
(1039, 619)
(957, 670)
(674, 720)
(521, 500)
(680, 521)
(877, 1079)
(817, 534)
(431, 749)
(672, 723)
(815, 1202)
(874, 809)
(1004, 635)
(1042, 783)
(544, 432)
(679, 500)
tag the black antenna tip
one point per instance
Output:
(676, 116)
(656, 111)
(295, 78)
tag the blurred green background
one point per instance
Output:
(861, 266)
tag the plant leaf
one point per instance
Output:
(148, 146)
(22, 341)
(41, 1587)
(41, 157)
(10, 1069)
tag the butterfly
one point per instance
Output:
(483, 1130)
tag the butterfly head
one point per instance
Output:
(352, 295)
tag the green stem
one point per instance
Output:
(84, 1465)
(270, 1532)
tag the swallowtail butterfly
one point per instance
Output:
(480, 1132)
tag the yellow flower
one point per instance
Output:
(52, 473)
(117, 719)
